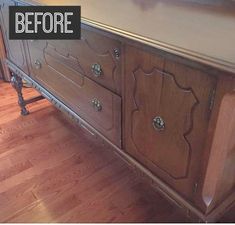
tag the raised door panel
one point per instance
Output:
(15, 48)
(61, 74)
(167, 107)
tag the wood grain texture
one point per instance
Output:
(181, 97)
(96, 48)
(180, 159)
(80, 55)
(53, 172)
(220, 177)
(14, 48)
(4, 70)
(62, 74)
(180, 27)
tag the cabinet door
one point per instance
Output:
(4, 69)
(15, 48)
(166, 117)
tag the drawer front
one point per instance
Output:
(61, 75)
(98, 57)
(167, 116)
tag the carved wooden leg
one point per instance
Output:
(16, 82)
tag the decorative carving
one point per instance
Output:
(74, 71)
(19, 75)
(116, 53)
(153, 93)
(66, 58)
(79, 59)
(56, 102)
(52, 69)
(107, 58)
(16, 82)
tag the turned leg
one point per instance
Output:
(16, 82)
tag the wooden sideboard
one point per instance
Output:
(156, 80)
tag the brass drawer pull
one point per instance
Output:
(96, 69)
(96, 105)
(37, 64)
(158, 123)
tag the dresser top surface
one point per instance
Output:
(204, 33)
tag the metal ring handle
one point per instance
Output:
(96, 69)
(37, 64)
(158, 123)
(96, 105)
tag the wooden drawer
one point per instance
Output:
(95, 50)
(167, 116)
(61, 75)
(95, 54)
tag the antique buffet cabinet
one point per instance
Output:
(154, 79)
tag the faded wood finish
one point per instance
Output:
(101, 50)
(180, 27)
(150, 89)
(4, 70)
(168, 111)
(81, 56)
(85, 183)
(220, 177)
(14, 48)
(63, 76)
(51, 171)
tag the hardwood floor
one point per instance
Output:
(51, 171)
